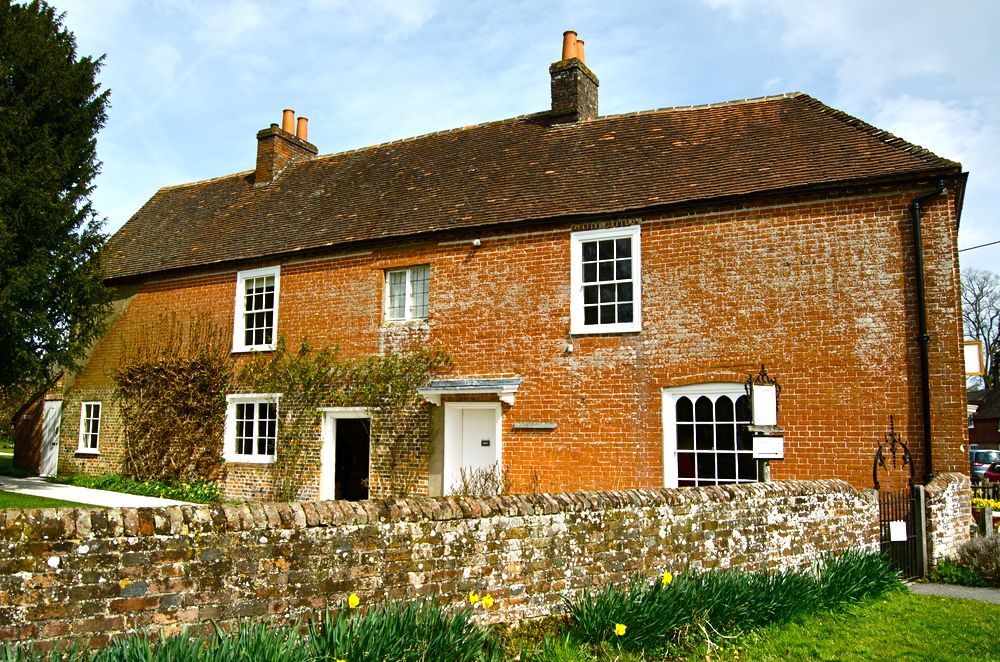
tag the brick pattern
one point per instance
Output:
(949, 515)
(94, 574)
(821, 291)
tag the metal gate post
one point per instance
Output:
(921, 508)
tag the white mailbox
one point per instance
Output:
(769, 448)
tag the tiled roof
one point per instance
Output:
(989, 405)
(515, 170)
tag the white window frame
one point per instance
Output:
(83, 445)
(229, 449)
(670, 396)
(239, 318)
(577, 239)
(408, 302)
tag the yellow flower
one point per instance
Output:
(666, 578)
(473, 597)
(619, 629)
(487, 601)
(353, 601)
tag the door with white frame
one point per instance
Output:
(51, 420)
(471, 440)
(345, 457)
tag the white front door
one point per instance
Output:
(472, 440)
(51, 419)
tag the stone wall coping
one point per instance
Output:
(84, 523)
(945, 481)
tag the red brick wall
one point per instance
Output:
(820, 291)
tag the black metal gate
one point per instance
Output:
(900, 511)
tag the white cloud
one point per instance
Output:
(395, 17)
(226, 24)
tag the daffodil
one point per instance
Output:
(619, 629)
(353, 601)
(487, 601)
(473, 597)
(666, 578)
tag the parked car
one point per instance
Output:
(981, 460)
(992, 473)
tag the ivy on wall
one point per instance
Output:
(172, 398)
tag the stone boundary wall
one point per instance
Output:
(949, 514)
(92, 574)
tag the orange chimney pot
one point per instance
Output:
(302, 128)
(569, 45)
(288, 120)
(579, 50)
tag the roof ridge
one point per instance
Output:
(890, 139)
(206, 181)
(716, 104)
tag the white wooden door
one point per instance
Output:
(472, 440)
(51, 419)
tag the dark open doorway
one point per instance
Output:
(352, 459)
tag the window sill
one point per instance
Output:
(87, 452)
(249, 459)
(253, 350)
(606, 332)
(418, 321)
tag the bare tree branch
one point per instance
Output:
(981, 317)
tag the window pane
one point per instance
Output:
(685, 437)
(724, 409)
(607, 293)
(743, 409)
(623, 269)
(396, 307)
(685, 410)
(590, 315)
(727, 467)
(590, 294)
(624, 291)
(685, 465)
(589, 251)
(606, 271)
(705, 435)
(625, 312)
(744, 440)
(590, 272)
(703, 409)
(725, 438)
(706, 468)
(606, 249)
(747, 467)
(608, 314)
(623, 247)
(419, 285)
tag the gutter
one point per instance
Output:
(924, 337)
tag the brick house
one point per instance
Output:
(984, 417)
(605, 286)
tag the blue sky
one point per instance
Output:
(193, 81)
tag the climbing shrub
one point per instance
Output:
(172, 400)
(309, 379)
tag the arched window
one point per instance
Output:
(705, 437)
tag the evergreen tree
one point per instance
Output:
(52, 299)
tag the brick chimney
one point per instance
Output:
(574, 86)
(277, 146)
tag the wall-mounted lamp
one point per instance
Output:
(768, 440)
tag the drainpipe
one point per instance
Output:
(924, 336)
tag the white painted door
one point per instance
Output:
(51, 419)
(472, 440)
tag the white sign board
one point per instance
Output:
(769, 448)
(974, 358)
(765, 404)
(897, 531)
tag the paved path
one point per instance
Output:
(951, 591)
(43, 488)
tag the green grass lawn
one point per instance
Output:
(901, 626)
(12, 500)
